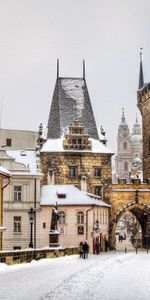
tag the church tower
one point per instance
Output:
(143, 103)
(123, 158)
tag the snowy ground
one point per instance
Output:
(108, 276)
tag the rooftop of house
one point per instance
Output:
(68, 195)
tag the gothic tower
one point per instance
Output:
(73, 152)
(143, 103)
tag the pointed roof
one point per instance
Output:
(123, 127)
(141, 76)
(70, 102)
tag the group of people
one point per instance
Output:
(121, 237)
(83, 250)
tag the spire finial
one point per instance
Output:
(123, 117)
(141, 49)
(136, 118)
(141, 77)
(57, 68)
(83, 68)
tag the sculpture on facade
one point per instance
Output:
(54, 233)
(54, 218)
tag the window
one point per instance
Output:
(125, 166)
(125, 145)
(61, 195)
(17, 247)
(17, 224)
(8, 142)
(72, 172)
(44, 225)
(80, 217)
(80, 230)
(17, 193)
(61, 217)
(98, 190)
(97, 172)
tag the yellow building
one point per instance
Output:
(4, 181)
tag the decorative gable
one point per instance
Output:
(77, 138)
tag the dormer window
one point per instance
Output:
(77, 138)
(61, 195)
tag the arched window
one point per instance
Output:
(125, 166)
(61, 217)
(80, 217)
(125, 145)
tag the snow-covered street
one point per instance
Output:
(109, 276)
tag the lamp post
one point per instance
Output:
(31, 213)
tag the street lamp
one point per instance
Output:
(31, 213)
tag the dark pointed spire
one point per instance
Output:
(57, 68)
(84, 69)
(141, 77)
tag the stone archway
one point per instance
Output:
(142, 212)
(134, 198)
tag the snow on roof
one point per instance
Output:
(74, 90)
(4, 172)
(28, 158)
(67, 195)
(56, 145)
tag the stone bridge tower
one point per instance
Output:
(143, 103)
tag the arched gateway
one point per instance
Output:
(133, 197)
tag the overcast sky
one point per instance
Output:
(106, 33)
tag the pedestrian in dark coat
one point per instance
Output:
(97, 247)
(85, 250)
(106, 245)
(81, 249)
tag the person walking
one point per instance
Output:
(81, 249)
(106, 245)
(85, 250)
(97, 247)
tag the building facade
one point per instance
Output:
(82, 217)
(17, 139)
(74, 153)
(19, 196)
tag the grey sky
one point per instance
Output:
(107, 34)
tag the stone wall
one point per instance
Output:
(85, 163)
(24, 256)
